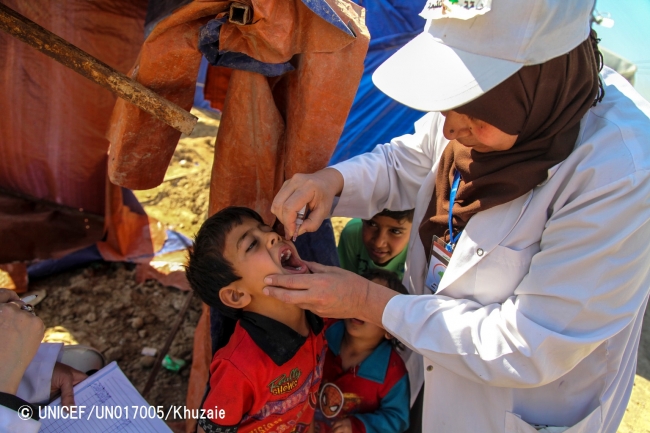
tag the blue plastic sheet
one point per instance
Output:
(375, 118)
(325, 11)
(199, 92)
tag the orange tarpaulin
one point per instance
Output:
(271, 128)
(54, 193)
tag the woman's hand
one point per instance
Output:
(316, 190)
(331, 292)
(7, 295)
(20, 336)
(64, 378)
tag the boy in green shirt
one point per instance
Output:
(378, 243)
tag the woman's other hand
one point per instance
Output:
(316, 191)
(331, 292)
(7, 295)
(64, 378)
(20, 336)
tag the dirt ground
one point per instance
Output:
(102, 306)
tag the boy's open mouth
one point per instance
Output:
(291, 262)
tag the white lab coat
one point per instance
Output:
(34, 388)
(538, 316)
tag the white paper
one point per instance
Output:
(99, 396)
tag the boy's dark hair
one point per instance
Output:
(398, 215)
(392, 282)
(207, 269)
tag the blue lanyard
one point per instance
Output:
(452, 197)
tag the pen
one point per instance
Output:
(28, 299)
(299, 220)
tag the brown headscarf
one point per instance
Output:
(543, 105)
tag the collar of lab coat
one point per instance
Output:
(484, 231)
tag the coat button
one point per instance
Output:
(479, 252)
(430, 368)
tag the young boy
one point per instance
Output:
(365, 386)
(377, 243)
(266, 378)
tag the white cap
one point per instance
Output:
(464, 52)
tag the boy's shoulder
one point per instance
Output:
(396, 366)
(353, 227)
(240, 345)
(258, 340)
(384, 365)
(351, 234)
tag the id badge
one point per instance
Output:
(438, 263)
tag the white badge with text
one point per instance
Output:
(460, 9)
(438, 263)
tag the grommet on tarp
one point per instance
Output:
(240, 14)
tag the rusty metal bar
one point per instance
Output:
(240, 14)
(83, 63)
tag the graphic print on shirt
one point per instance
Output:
(333, 401)
(364, 266)
(285, 383)
(299, 396)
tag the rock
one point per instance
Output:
(142, 333)
(149, 318)
(90, 317)
(149, 351)
(137, 322)
(177, 303)
(82, 309)
(147, 361)
(114, 354)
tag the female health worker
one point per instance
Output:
(530, 268)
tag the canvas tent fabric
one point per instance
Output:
(268, 121)
(271, 127)
(375, 118)
(55, 197)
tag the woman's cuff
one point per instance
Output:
(344, 204)
(37, 380)
(393, 316)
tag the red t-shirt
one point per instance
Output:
(266, 379)
(374, 395)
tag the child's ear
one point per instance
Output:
(232, 297)
(387, 336)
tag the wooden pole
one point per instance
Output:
(83, 63)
